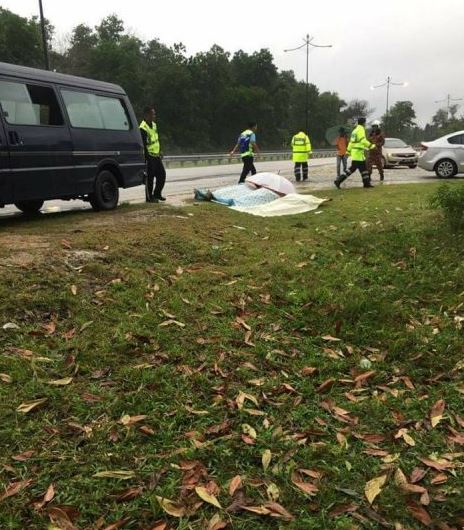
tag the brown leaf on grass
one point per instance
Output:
(419, 513)
(120, 474)
(242, 323)
(118, 524)
(359, 380)
(14, 488)
(439, 478)
(160, 525)
(206, 496)
(216, 523)
(145, 429)
(171, 507)
(326, 385)
(49, 495)
(436, 412)
(439, 465)
(171, 322)
(129, 494)
(278, 511)
(329, 338)
(61, 382)
(235, 484)
(417, 475)
(6, 378)
(308, 371)
(73, 290)
(23, 456)
(60, 517)
(306, 487)
(374, 487)
(131, 420)
(343, 508)
(30, 405)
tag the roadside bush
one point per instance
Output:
(450, 199)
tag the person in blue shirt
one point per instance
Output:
(247, 146)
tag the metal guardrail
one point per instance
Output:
(224, 158)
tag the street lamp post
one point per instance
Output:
(308, 41)
(388, 83)
(448, 100)
(44, 37)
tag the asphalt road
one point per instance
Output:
(182, 181)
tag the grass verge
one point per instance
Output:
(301, 372)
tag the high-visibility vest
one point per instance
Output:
(301, 147)
(244, 143)
(358, 144)
(153, 145)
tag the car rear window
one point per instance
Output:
(92, 111)
(29, 104)
(394, 142)
(458, 139)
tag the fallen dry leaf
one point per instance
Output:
(61, 382)
(6, 378)
(14, 488)
(30, 405)
(216, 523)
(49, 495)
(206, 496)
(23, 456)
(235, 484)
(266, 459)
(374, 487)
(436, 412)
(419, 513)
(171, 507)
(131, 420)
(118, 524)
(120, 474)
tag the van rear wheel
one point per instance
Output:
(29, 207)
(106, 193)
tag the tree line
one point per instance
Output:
(204, 100)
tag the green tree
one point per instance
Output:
(400, 120)
(20, 39)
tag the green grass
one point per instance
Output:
(377, 270)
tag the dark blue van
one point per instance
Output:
(65, 137)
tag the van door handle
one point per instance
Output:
(14, 138)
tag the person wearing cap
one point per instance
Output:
(375, 155)
(342, 143)
(356, 150)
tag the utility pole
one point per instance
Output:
(388, 83)
(448, 100)
(44, 37)
(308, 41)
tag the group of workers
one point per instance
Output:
(354, 147)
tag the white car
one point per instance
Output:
(397, 153)
(445, 156)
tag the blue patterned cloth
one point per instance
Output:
(239, 195)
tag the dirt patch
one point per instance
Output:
(77, 258)
(23, 251)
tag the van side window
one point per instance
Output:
(90, 111)
(26, 104)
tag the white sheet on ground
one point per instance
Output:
(291, 204)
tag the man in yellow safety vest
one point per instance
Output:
(356, 149)
(155, 167)
(301, 149)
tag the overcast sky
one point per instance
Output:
(418, 41)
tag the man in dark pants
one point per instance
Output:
(155, 167)
(246, 144)
(356, 149)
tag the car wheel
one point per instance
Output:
(446, 168)
(29, 207)
(413, 166)
(106, 192)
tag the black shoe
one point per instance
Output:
(337, 183)
(306, 179)
(368, 185)
(160, 198)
